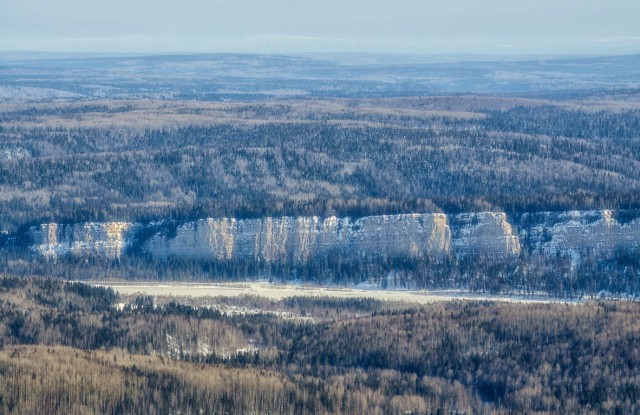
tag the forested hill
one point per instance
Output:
(69, 348)
(144, 160)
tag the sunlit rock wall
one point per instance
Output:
(484, 234)
(599, 233)
(300, 239)
(576, 234)
(108, 240)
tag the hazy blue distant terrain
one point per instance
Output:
(249, 77)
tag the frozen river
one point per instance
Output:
(279, 291)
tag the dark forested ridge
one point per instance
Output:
(67, 348)
(153, 160)
(142, 138)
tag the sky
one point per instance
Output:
(595, 27)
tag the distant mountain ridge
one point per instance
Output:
(216, 77)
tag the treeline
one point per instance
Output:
(556, 122)
(615, 275)
(62, 380)
(286, 159)
(516, 358)
(372, 357)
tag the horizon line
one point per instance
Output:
(337, 52)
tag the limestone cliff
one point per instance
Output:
(484, 234)
(299, 239)
(108, 240)
(579, 233)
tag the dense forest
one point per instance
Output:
(554, 277)
(153, 160)
(72, 348)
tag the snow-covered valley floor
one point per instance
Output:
(280, 291)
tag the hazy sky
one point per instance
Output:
(406, 26)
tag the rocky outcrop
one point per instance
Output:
(484, 234)
(576, 234)
(107, 240)
(302, 238)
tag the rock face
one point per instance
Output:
(108, 240)
(579, 233)
(299, 239)
(484, 234)
(574, 234)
